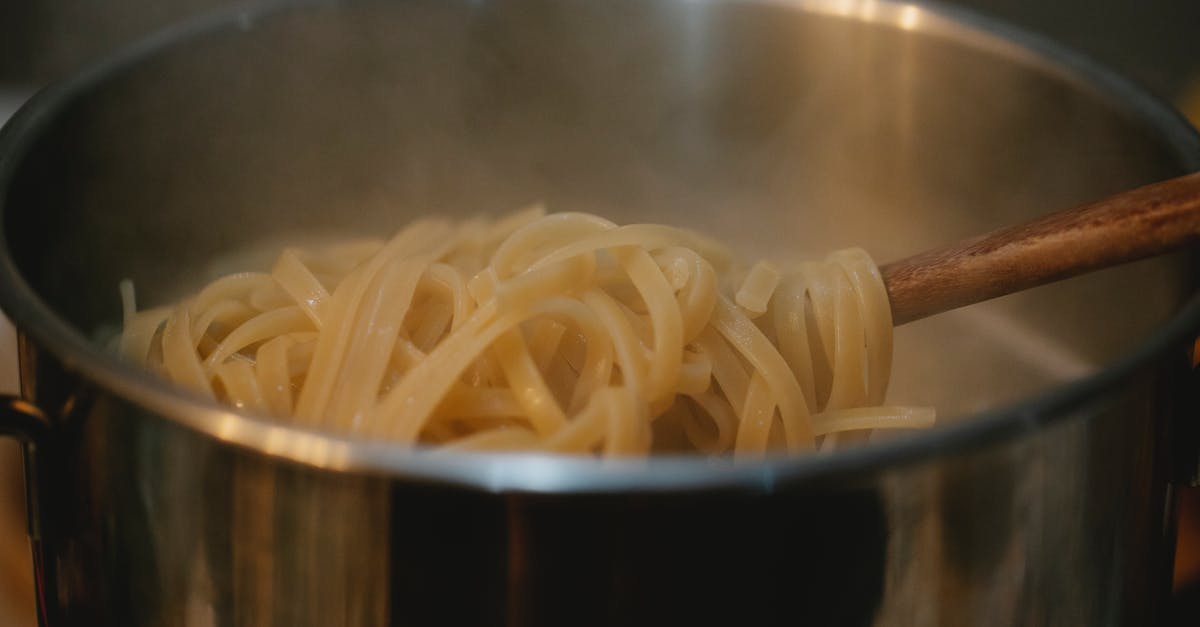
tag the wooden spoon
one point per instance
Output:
(1144, 222)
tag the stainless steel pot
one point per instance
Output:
(788, 126)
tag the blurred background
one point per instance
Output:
(1154, 42)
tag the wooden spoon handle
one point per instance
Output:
(1133, 225)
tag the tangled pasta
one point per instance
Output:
(562, 332)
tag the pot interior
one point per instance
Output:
(783, 128)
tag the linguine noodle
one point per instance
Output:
(563, 332)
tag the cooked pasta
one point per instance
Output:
(562, 332)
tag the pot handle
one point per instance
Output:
(21, 419)
(26, 422)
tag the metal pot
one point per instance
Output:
(786, 126)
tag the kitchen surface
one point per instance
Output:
(1153, 42)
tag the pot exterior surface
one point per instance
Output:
(785, 127)
(143, 522)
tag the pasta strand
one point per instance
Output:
(561, 332)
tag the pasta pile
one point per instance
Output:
(563, 332)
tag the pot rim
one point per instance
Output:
(533, 472)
